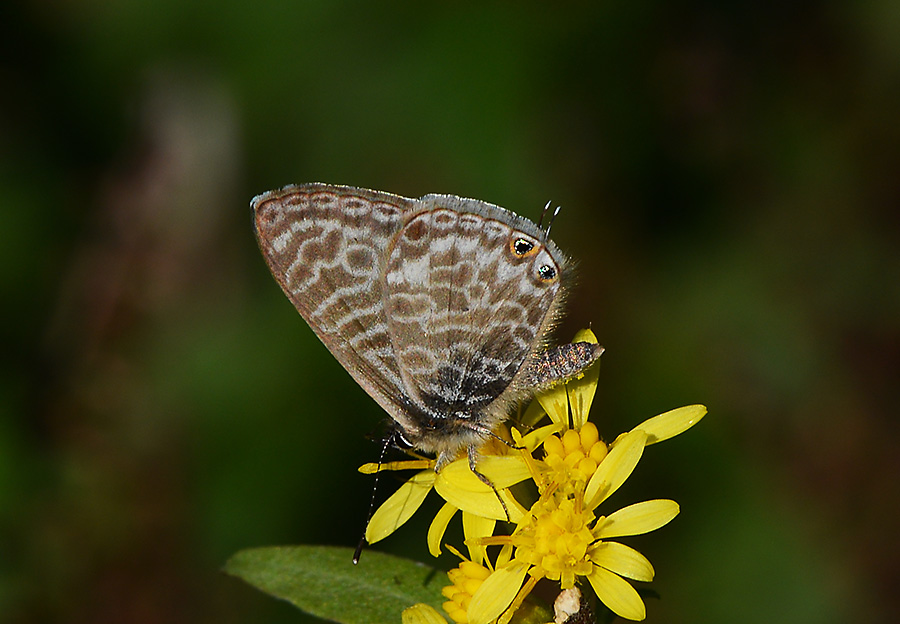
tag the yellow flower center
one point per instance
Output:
(555, 540)
(574, 457)
(466, 579)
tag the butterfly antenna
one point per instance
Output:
(544, 212)
(388, 441)
(552, 219)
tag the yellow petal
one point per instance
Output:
(532, 414)
(505, 555)
(622, 560)
(400, 506)
(438, 528)
(581, 391)
(585, 335)
(496, 593)
(615, 468)
(535, 438)
(457, 484)
(617, 594)
(422, 614)
(502, 470)
(637, 519)
(670, 424)
(475, 527)
(484, 503)
(555, 402)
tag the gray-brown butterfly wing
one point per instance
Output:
(470, 291)
(327, 247)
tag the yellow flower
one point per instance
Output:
(560, 537)
(465, 579)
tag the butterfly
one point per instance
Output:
(439, 307)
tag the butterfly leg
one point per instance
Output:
(473, 466)
(559, 364)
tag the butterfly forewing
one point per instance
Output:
(327, 247)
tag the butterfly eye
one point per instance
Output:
(521, 247)
(546, 272)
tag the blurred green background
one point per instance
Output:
(729, 176)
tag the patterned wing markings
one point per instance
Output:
(464, 313)
(435, 306)
(326, 247)
(529, 323)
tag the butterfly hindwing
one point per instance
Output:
(464, 309)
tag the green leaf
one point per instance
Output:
(323, 581)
